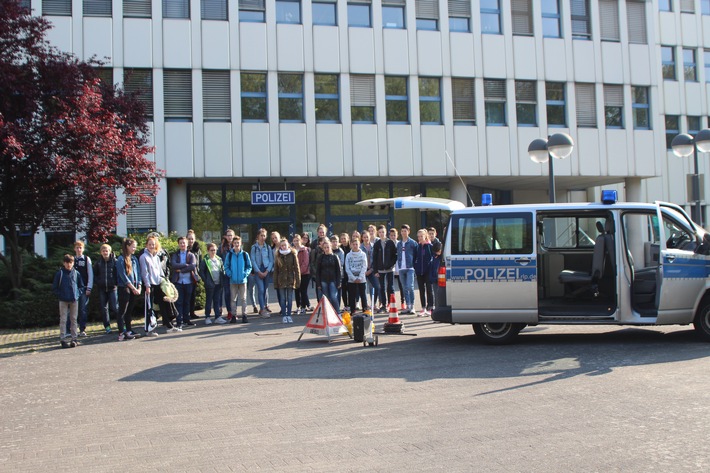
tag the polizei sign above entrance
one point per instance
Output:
(273, 197)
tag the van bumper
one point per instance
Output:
(442, 314)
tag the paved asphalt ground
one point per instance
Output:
(250, 398)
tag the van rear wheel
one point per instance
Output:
(497, 333)
(702, 321)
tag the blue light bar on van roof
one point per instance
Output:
(609, 196)
(486, 199)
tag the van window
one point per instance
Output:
(571, 231)
(509, 233)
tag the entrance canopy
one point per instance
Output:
(413, 202)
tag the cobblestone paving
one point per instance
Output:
(248, 397)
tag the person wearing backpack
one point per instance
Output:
(68, 286)
(212, 272)
(237, 267)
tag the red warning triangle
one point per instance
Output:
(324, 320)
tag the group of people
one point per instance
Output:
(357, 269)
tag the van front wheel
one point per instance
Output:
(702, 321)
(497, 333)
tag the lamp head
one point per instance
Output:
(683, 145)
(560, 145)
(538, 151)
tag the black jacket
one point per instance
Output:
(328, 269)
(384, 260)
(105, 272)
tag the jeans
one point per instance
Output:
(126, 306)
(406, 277)
(262, 288)
(425, 290)
(302, 292)
(251, 288)
(224, 280)
(286, 299)
(183, 302)
(373, 289)
(108, 302)
(330, 290)
(386, 287)
(213, 300)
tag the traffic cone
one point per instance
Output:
(393, 324)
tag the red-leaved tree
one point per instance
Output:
(68, 142)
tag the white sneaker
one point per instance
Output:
(220, 320)
(151, 334)
(285, 320)
(82, 334)
(264, 314)
(174, 329)
(208, 321)
(289, 319)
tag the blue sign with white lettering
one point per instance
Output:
(273, 197)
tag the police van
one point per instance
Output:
(505, 267)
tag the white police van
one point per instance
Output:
(508, 266)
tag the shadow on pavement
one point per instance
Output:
(537, 358)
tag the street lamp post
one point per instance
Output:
(559, 146)
(683, 146)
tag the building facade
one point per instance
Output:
(343, 100)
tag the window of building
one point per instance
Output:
(362, 98)
(522, 13)
(490, 17)
(581, 28)
(427, 12)
(137, 8)
(494, 97)
(555, 103)
(176, 9)
(253, 11)
(214, 10)
(25, 5)
(704, 7)
(687, 6)
(665, 5)
(139, 82)
(56, 7)
(668, 62)
(290, 97)
(641, 107)
(551, 19)
(460, 16)
(609, 26)
(105, 75)
(177, 90)
(359, 13)
(393, 13)
(396, 100)
(526, 102)
(430, 100)
(288, 11)
(690, 68)
(216, 96)
(464, 101)
(614, 106)
(636, 21)
(327, 96)
(325, 12)
(672, 129)
(97, 8)
(693, 125)
(253, 95)
(586, 105)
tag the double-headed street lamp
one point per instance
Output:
(684, 145)
(559, 146)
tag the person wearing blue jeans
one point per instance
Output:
(222, 252)
(329, 274)
(406, 251)
(82, 264)
(183, 264)
(262, 259)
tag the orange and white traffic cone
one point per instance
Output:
(393, 324)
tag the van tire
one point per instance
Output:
(702, 320)
(498, 333)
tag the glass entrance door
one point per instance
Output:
(247, 228)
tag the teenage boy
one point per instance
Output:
(384, 256)
(356, 269)
(68, 287)
(183, 264)
(82, 264)
(237, 267)
(406, 251)
(262, 259)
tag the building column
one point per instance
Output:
(458, 191)
(177, 206)
(633, 190)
